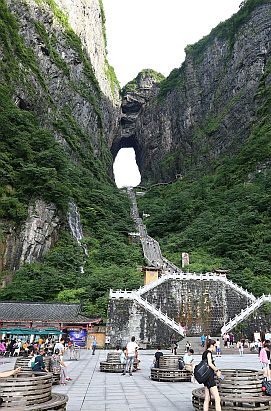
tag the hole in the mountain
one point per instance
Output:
(126, 171)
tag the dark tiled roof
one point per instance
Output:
(38, 311)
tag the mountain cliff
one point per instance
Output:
(206, 109)
(212, 120)
(63, 223)
(59, 109)
(54, 66)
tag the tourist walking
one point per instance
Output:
(130, 352)
(217, 348)
(107, 342)
(210, 384)
(240, 347)
(63, 370)
(94, 345)
(231, 340)
(174, 346)
(60, 346)
(202, 340)
(55, 362)
(260, 346)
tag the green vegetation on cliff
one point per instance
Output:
(34, 165)
(226, 30)
(222, 219)
(134, 84)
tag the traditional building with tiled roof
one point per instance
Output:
(44, 315)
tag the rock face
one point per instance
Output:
(33, 240)
(206, 108)
(72, 86)
(200, 306)
(64, 78)
(86, 19)
(135, 96)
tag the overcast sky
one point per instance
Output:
(153, 34)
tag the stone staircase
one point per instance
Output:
(154, 257)
(245, 313)
(195, 344)
(134, 296)
(151, 248)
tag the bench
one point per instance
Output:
(23, 363)
(169, 370)
(112, 363)
(240, 390)
(30, 392)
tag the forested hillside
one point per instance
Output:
(223, 219)
(60, 119)
(57, 160)
(34, 165)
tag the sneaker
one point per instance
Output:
(130, 374)
(68, 379)
(123, 373)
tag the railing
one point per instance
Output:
(245, 313)
(195, 276)
(177, 274)
(134, 296)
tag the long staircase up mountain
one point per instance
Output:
(169, 271)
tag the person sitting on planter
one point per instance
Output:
(39, 365)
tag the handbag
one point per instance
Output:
(266, 386)
(202, 372)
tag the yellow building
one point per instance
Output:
(150, 274)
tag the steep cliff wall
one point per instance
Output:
(69, 86)
(87, 19)
(53, 63)
(34, 238)
(206, 108)
(136, 94)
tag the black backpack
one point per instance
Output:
(202, 372)
(181, 364)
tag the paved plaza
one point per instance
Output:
(92, 390)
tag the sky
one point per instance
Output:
(153, 34)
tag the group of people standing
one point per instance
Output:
(129, 357)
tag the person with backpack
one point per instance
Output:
(157, 356)
(210, 384)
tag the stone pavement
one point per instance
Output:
(92, 390)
